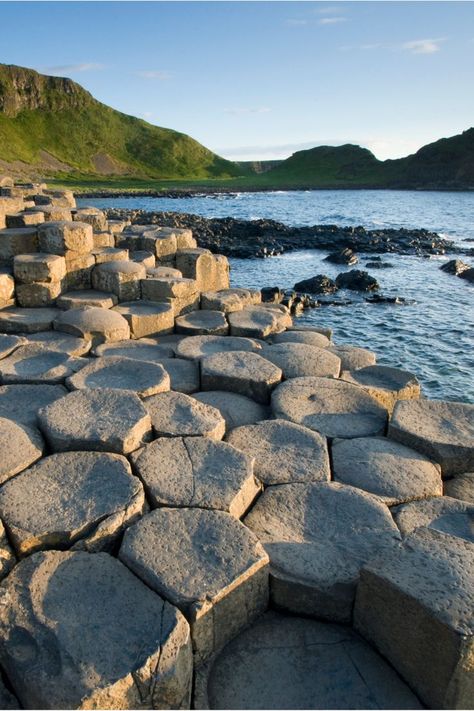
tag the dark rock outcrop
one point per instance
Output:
(342, 256)
(357, 280)
(454, 266)
(319, 284)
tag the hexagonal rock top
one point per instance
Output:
(120, 373)
(443, 431)
(310, 338)
(202, 323)
(85, 497)
(178, 415)
(21, 403)
(9, 343)
(86, 297)
(254, 322)
(94, 324)
(284, 452)
(146, 318)
(144, 349)
(387, 385)
(353, 358)
(64, 342)
(207, 564)
(196, 472)
(442, 513)
(415, 605)
(462, 487)
(332, 407)
(389, 470)
(241, 372)
(99, 420)
(236, 409)
(297, 663)
(36, 364)
(20, 446)
(18, 320)
(184, 374)
(301, 360)
(196, 347)
(318, 537)
(133, 650)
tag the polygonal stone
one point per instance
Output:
(145, 349)
(103, 239)
(110, 254)
(226, 300)
(184, 374)
(318, 537)
(210, 271)
(27, 320)
(102, 420)
(146, 259)
(161, 288)
(93, 216)
(39, 294)
(29, 268)
(300, 360)
(415, 605)
(120, 373)
(63, 237)
(310, 338)
(9, 343)
(389, 470)
(236, 409)
(17, 240)
(202, 323)
(64, 198)
(35, 364)
(52, 213)
(163, 273)
(7, 286)
(283, 452)
(332, 407)
(81, 498)
(353, 358)
(443, 431)
(117, 226)
(86, 297)
(133, 649)
(57, 341)
(241, 372)
(20, 446)
(94, 324)
(119, 278)
(297, 663)
(178, 415)
(184, 236)
(207, 564)
(450, 516)
(160, 241)
(254, 322)
(147, 318)
(462, 487)
(79, 271)
(387, 385)
(197, 347)
(21, 403)
(24, 219)
(196, 472)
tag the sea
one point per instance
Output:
(433, 337)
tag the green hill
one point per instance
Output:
(56, 126)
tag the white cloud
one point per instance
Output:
(159, 74)
(241, 111)
(332, 20)
(73, 68)
(422, 46)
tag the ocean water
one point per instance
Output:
(432, 338)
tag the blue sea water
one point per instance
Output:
(432, 337)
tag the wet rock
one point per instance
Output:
(385, 384)
(94, 324)
(379, 265)
(120, 373)
(271, 294)
(178, 415)
(236, 409)
(468, 275)
(397, 300)
(357, 280)
(241, 372)
(441, 513)
(319, 284)
(342, 256)
(454, 266)
(300, 360)
(462, 487)
(20, 446)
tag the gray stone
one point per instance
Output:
(27, 320)
(202, 323)
(226, 300)
(17, 240)
(133, 649)
(353, 358)
(120, 373)
(20, 446)
(63, 342)
(102, 255)
(163, 272)
(450, 516)
(35, 364)
(120, 278)
(164, 287)
(236, 409)
(79, 271)
(415, 605)
(391, 471)
(10, 343)
(30, 268)
(103, 239)
(72, 422)
(21, 403)
(94, 324)
(7, 287)
(462, 487)
(86, 297)
(39, 294)
(62, 237)
(284, 452)
(196, 472)
(254, 322)
(147, 318)
(284, 662)
(144, 349)
(197, 347)
(332, 407)
(318, 536)
(178, 415)
(92, 216)
(310, 338)
(52, 213)
(24, 219)
(443, 431)
(300, 360)
(211, 271)
(146, 259)
(241, 372)
(385, 384)
(207, 564)
(7, 561)
(184, 374)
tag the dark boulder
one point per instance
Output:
(379, 265)
(271, 294)
(454, 266)
(319, 284)
(342, 256)
(468, 275)
(357, 280)
(398, 300)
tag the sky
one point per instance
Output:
(261, 80)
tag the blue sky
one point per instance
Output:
(257, 80)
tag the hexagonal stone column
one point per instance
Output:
(92, 216)
(353, 358)
(133, 649)
(94, 324)
(461, 487)
(196, 472)
(318, 537)
(255, 322)
(20, 446)
(202, 323)
(415, 605)
(441, 513)
(178, 415)
(207, 564)
(72, 423)
(310, 338)
(236, 409)
(81, 498)
(226, 300)
(143, 349)
(197, 347)
(63, 237)
(17, 240)
(120, 278)
(21, 403)
(332, 407)
(36, 364)
(184, 374)
(147, 318)
(300, 360)
(210, 271)
(27, 320)
(86, 297)
(443, 431)
(241, 372)
(64, 342)
(387, 385)
(31, 268)
(9, 343)
(119, 373)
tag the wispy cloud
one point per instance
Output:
(159, 74)
(421, 46)
(332, 20)
(241, 111)
(73, 68)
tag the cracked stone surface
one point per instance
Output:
(385, 384)
(21, 403)
(120, 373)
(9, 343)
(331, 407)
(297, 663)
(352, 357)
(102, 420)
(236, 409)
(442, 513)
(443, 431)
(197, 347)
(146, 318)
(61, 342)
(391, 471)
(35, 364)
(283, 452)
(310, 338)
(461, 487)
(300, 360)
(318, 536)
(18, 320)
(241, 372)
(20, 446)
(196, 472)
(94, 324)
(179, 415)
(133, 650)
(207, 564)
(144, 349)
(415, 605)
(84, 499)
